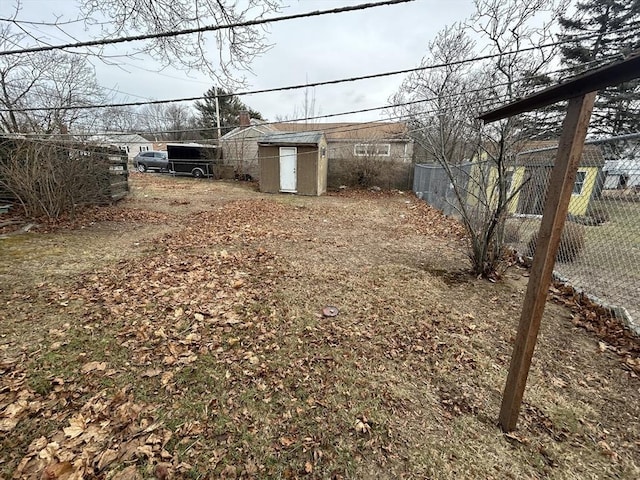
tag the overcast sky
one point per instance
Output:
(306, 50)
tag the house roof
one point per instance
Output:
(119, 138)
(349, 131)
(543, 153)
(291, 138)
(256, 125)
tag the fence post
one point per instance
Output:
(574, 130)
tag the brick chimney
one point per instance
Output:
(245, 120)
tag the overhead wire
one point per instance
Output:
(206, 28)
(335, 114)
(284, 88)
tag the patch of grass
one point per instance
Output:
(248, 377)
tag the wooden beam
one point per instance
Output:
(612, 74)
(574, 130)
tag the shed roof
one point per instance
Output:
(544, 153)
(291, 138)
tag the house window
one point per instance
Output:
(372, 149)
(577, 187)
(144, 148)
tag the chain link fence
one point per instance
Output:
(432, 184)
(599, 252)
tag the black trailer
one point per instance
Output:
(194, 159)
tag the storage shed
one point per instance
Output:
(293, 162)
(534, 167)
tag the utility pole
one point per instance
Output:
(215, 92)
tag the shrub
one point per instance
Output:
(51, 180)
(365, 171)
(572, 243)
(598, 214)
(511, 233)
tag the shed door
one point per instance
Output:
(288, 169)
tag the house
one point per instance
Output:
(129, 143)
(622, 174)
(240, 146)
(383, 150)
(293, 163)
(534, 166)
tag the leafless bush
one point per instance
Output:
(572, 243)
(364, 171)
(511, 233)
(49, 180)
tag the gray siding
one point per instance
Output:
(241, 152)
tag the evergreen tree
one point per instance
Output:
(230, 107)
(613, 27)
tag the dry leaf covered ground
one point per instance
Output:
(179, 335)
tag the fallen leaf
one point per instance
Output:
(166, 378)
(129, 473)
(362, 427)
(57, 471)
(91, 366)
(286, 441)
(8, 424)
(76, 426)
(107, 458)
(16, 408)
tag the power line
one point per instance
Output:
(156, 102)
(208, 28)
(340, 129)
(301, 86)
(360, 125)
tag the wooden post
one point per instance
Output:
(574, 130)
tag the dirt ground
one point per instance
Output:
(179, 334)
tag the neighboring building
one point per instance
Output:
(293, 163)
(622, 174)
(129, 143)
(240, 146)
(535, 166)
(351, 149)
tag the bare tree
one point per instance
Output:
(118, 119)
(305, 111)
(49, 85)
(446, 122)
(236, 47)
(167, 122)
